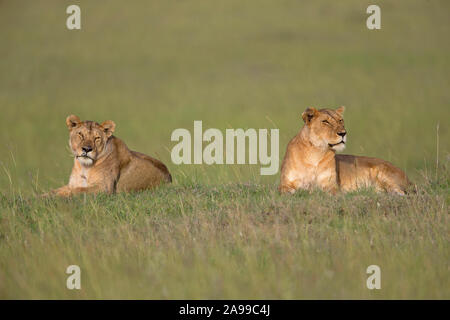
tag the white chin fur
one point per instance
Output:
(87, 162)
(339, 147)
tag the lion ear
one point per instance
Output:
(72, 121)
(340, 110)
(309, 114)
(108, 127)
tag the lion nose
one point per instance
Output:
(87, 149)
(342, 134)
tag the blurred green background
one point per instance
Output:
(154, 66)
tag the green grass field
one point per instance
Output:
(223, 231)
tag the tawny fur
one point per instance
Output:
(311, 161)
(110, 166)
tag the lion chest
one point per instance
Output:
(318, 173)
(80, 178)
(303, 177)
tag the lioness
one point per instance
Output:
(311, 160)
(103, 162)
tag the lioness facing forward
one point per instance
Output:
(103, 162)
(311, 160)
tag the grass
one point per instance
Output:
(231, 241)
(223, 231)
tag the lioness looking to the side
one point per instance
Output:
(103, 162)
(311, 160)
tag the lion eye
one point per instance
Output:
(97, 139)
(325, 121)
(80, 136)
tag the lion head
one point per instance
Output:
(325, 128)
(88, 139)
